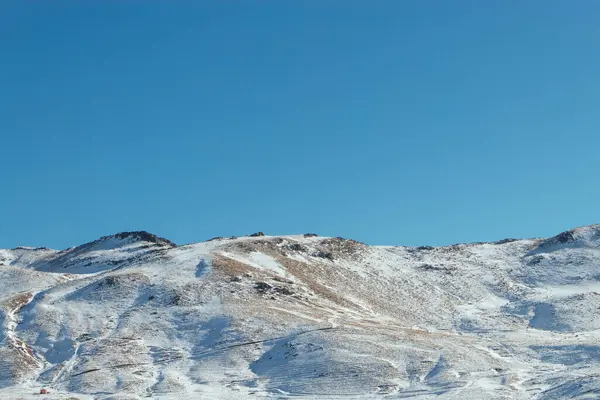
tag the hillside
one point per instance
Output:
(133, 315)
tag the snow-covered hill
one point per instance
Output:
(133, 316)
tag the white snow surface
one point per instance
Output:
(132, 316)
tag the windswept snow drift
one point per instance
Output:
(133, 316)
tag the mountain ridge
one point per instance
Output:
(147, 236)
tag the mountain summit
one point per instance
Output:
(586, 236)
(132, 316)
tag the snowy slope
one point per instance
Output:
(133, 316)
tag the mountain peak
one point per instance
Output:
(141, 236)
(584, 236)
(123, 239)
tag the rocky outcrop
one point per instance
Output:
(143, 236)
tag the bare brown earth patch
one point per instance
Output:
(15, 303)
(230, 267)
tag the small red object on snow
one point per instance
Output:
(43, 391)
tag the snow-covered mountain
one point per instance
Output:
(133, 316)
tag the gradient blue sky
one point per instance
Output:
(391, 122)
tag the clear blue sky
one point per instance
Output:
(391, 122)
